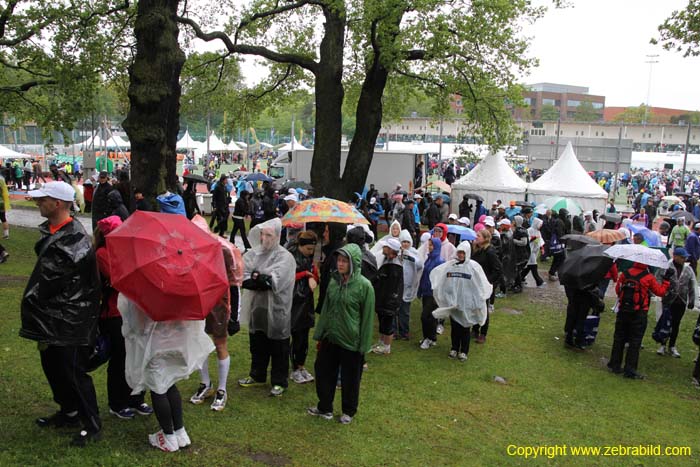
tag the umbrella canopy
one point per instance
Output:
(465, 233)
(612, 217)
(323, 210)
(607, 235)
(195, 178)
(297, 184)
(257, 177)
(556, 203)
(689, 218)
(440, 185)
(473, 196)
(585, 267)
(167, 265)
(575, 241)
(638, 254)
(650, 237)
(671, 199)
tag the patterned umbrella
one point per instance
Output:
(556, 203)
(323, 210)
(607, 235)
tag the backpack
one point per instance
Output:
(631, 296)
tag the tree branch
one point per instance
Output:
(5, 16)
(19, 67)
(410, 55)
(244, 49)
(28, 85)
(277, 84)
(124, 6)
(434, 82)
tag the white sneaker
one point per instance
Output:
(166, 443)
(219, 402)
(675, 353)
(183, 440)
(662, 350)
(298, 377)
(440, 329)
(452, 354)
(308, 377)
(381, 349)
(425, 345)
(203, 392)
(462, 357)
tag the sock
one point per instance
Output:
(224, 366)
(205, 373)
(6, 232)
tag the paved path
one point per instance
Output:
(28, 217)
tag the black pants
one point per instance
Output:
(577, 308)
(460, 337)
(519, 274)
(693, 265)
(71, 385)
(221, 222)
(427, 320)
(300, 347)
(677, 312)
(329, 359)
(239, 225)
(535, 274)
(118, 391)
(629, 328)
(168, 409)
(264, 351)
(482, 330)
(557, 260)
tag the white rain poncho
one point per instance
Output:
(536, 241)
(461, 289)
(412, 268)
(268, 311)
(160, 353)
(376, 250)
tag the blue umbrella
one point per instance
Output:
(257, 177)
(652, 238)
(465, 233)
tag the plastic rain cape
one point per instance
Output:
(376, 250)
(160, 353)
(461, 290)
(268, 311)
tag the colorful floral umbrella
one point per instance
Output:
(556, 203)
(323, 210)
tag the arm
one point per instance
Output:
(691, 291)
(657, 289)
(367, 320)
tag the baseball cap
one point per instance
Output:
(452, 216)
(680, 251)
(697, 226)
(464, 220)
(489, 221)
(103, 174)
(504, 222)
(291, 197)
(57, 190)
(394, 244)
(417, 196)
(495, 203)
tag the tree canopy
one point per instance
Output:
(585, 112)
(681, 31)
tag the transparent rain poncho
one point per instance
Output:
(268, 311)
(160, 353)
(461, 290)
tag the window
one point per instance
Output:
(602, 133)
(649, 135)
(596, 133)
(570, 103)
(537, 131)
(597, 105)
(548, 101)
(528, 101)
(561, 132)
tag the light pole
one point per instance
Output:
(651, 59)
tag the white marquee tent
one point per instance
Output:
(493, 179)
(7, 153)
(215, 144)
(288, 146)
(568, 178)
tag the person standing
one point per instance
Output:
(268, 287)
(692, 246)
(240, 210)
(633, 288)
(681, 294)
(425, 293)
(389, 290)
(535, 239)
(220, 200)
(100, 202)
(344, 335)
(4, 208)
(678, 234)
(486, 256)
(60, 308)
(412, 270)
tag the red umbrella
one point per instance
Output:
(167, 265)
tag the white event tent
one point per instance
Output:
(569, 179)
(288, 146)
(492, 179)
(7, 153)
(186, 142)
(215, 144)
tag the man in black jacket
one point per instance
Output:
(432, 214)
(219, 203)
(60, 308)
(100, 203)
(408, 219)
(388, 295)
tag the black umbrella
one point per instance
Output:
(257, 177)
(575, 241)
(612, 217)
(297, 184)
(523, 204)
(473, 196)
(689, 218)
(195, 178)
(585, 267)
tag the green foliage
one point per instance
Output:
(692, 118)
(635, 115)
(549, 113)
(52, 56)
(586, 113)
(681, 31)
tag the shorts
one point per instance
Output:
(216, 323)
(387, 324)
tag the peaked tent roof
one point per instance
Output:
(288, 146)
(6, 152)
(233, 146)
(186, 142)
(119, 141)
(568, 178)
(215, 144)
(493, 174)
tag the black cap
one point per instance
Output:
(104, 173)
(527, 210)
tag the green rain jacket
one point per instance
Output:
(347, 316)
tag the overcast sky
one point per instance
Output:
(602, 44)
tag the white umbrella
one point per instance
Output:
(638, 254)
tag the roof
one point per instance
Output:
(494, 174)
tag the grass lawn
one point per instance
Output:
(417, 408)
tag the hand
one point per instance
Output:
(233, 327)
(312, 283)
(691, 306)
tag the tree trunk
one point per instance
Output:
(325, 167)
(154, 95)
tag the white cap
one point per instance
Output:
(452, 216)
(57, 190)
(417, 196)
(394, 244)
(291, 197)
(587, 213)
(464, 221)
(697, 226)
(504, 222)
(489, 221)
(372, 200)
